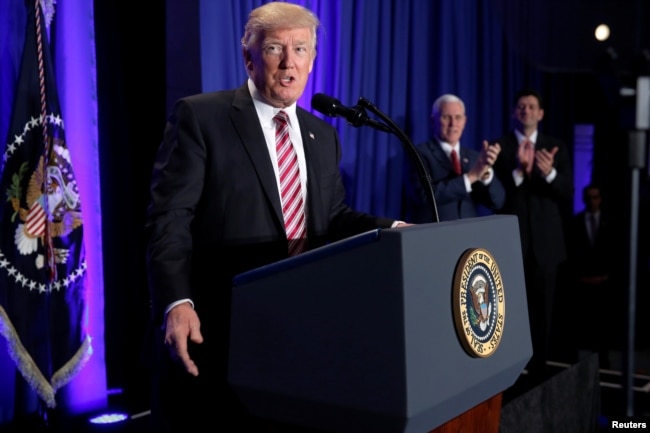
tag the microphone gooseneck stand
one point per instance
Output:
(425, 178)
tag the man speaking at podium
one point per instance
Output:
(242, 178)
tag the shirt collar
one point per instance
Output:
(265, 111)
(447, 148)
(521, 137)
(595, 214)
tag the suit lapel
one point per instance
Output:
(445, 161)
(465, 160)
(248, 127)
(440, 155)
(310, 142)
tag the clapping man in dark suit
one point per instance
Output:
(536, 171)
(218, 208)
(462, 177)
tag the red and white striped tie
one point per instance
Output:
(293, 208)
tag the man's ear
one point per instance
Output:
(248, 61)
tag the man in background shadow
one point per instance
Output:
(590, 263)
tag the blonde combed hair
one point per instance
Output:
(278, 15)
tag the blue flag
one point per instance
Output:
(42, 259)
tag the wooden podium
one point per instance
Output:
(483, 418)
(361, 335)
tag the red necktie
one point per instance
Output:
(293, 208)
(455, 162)
(529, 148)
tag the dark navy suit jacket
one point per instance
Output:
(452, 199)
(542, 208)
(215, 207)
(587, 258)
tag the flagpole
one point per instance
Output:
(43, 410)
(49, 248)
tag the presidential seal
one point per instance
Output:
(479, 302)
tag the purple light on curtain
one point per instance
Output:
(76, 78)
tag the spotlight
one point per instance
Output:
(602, 32)
(107, 422)
(108, 418)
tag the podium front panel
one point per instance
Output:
(360, 336)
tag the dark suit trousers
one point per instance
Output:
(183, 403)
(540, 292)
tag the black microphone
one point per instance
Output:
(356, 116)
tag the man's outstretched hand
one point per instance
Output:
(182, 324)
